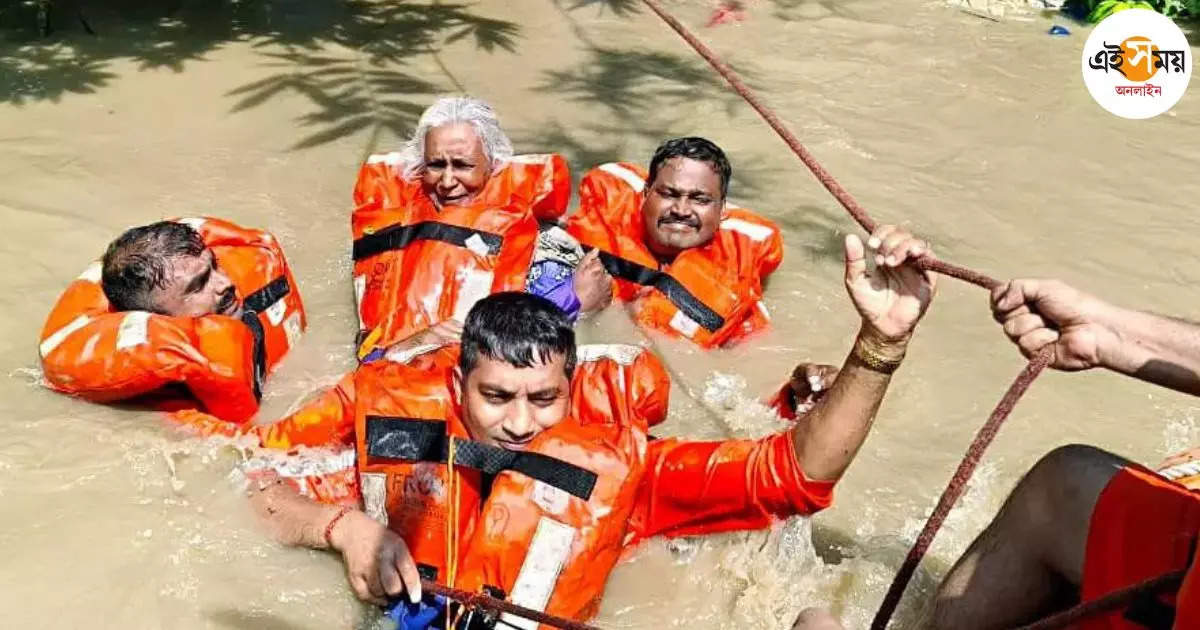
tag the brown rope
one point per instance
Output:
(841, 194)
(985, 435)
(481, 601)
(958, 484)
(974, 453)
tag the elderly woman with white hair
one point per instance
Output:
(456, 216)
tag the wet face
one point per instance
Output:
(456, 167)
(683, 207)
(195, 287)
(507, 406)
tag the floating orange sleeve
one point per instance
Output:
(326, 421)
(695, 488)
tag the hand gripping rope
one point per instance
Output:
(966, 467)
(987, 433)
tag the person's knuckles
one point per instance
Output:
(896, 239)
(914, 248)
(881, 233)
(1026, 322)
(394, 588)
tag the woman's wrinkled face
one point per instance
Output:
(456, 168)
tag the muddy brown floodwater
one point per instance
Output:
(979, 135)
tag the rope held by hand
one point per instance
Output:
(841, 194)
(481, 601)
(985, 435)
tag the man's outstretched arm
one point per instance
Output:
(705, 487)
(891, 298)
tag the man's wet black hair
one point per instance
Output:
(699, 149)
(519, 329)
(136, 263)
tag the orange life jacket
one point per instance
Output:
(567, 500)
(554, 521)
(415, 266)
(91, 351)
(710, 294)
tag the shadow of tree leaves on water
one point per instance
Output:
(630, 81)
(352, 94)
(579, 144)
(588, 145)
(53, 71)
(342, 55)
(347, 98)
(620, 8)
(642, 98)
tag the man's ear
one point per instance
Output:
(456, 391)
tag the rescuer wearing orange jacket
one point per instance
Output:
(689, 264)
(198, 302)
(516, 463)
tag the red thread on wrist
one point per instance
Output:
(329, 528)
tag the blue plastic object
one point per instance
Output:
(418, 616)
(1059, 31)
(555, 281)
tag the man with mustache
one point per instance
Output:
(166, 268)
(690, 264)
(195, 310)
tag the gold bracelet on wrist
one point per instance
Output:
(873, 360)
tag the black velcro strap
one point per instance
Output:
(413, 439)
(683, 299)
(410, 439)
(555, 472)
(263, 298)
(259, 354)
(400, 236)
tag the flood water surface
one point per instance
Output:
(977, 134)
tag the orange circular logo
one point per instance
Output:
(1138, 62)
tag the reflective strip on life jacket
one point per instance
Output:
(549, 551)
(53, 341)
(634, 180)
(418, 440)
(401, 236)
(753, 231)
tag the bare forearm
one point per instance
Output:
(829, 436)
(292, 519)
(1160, 350)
